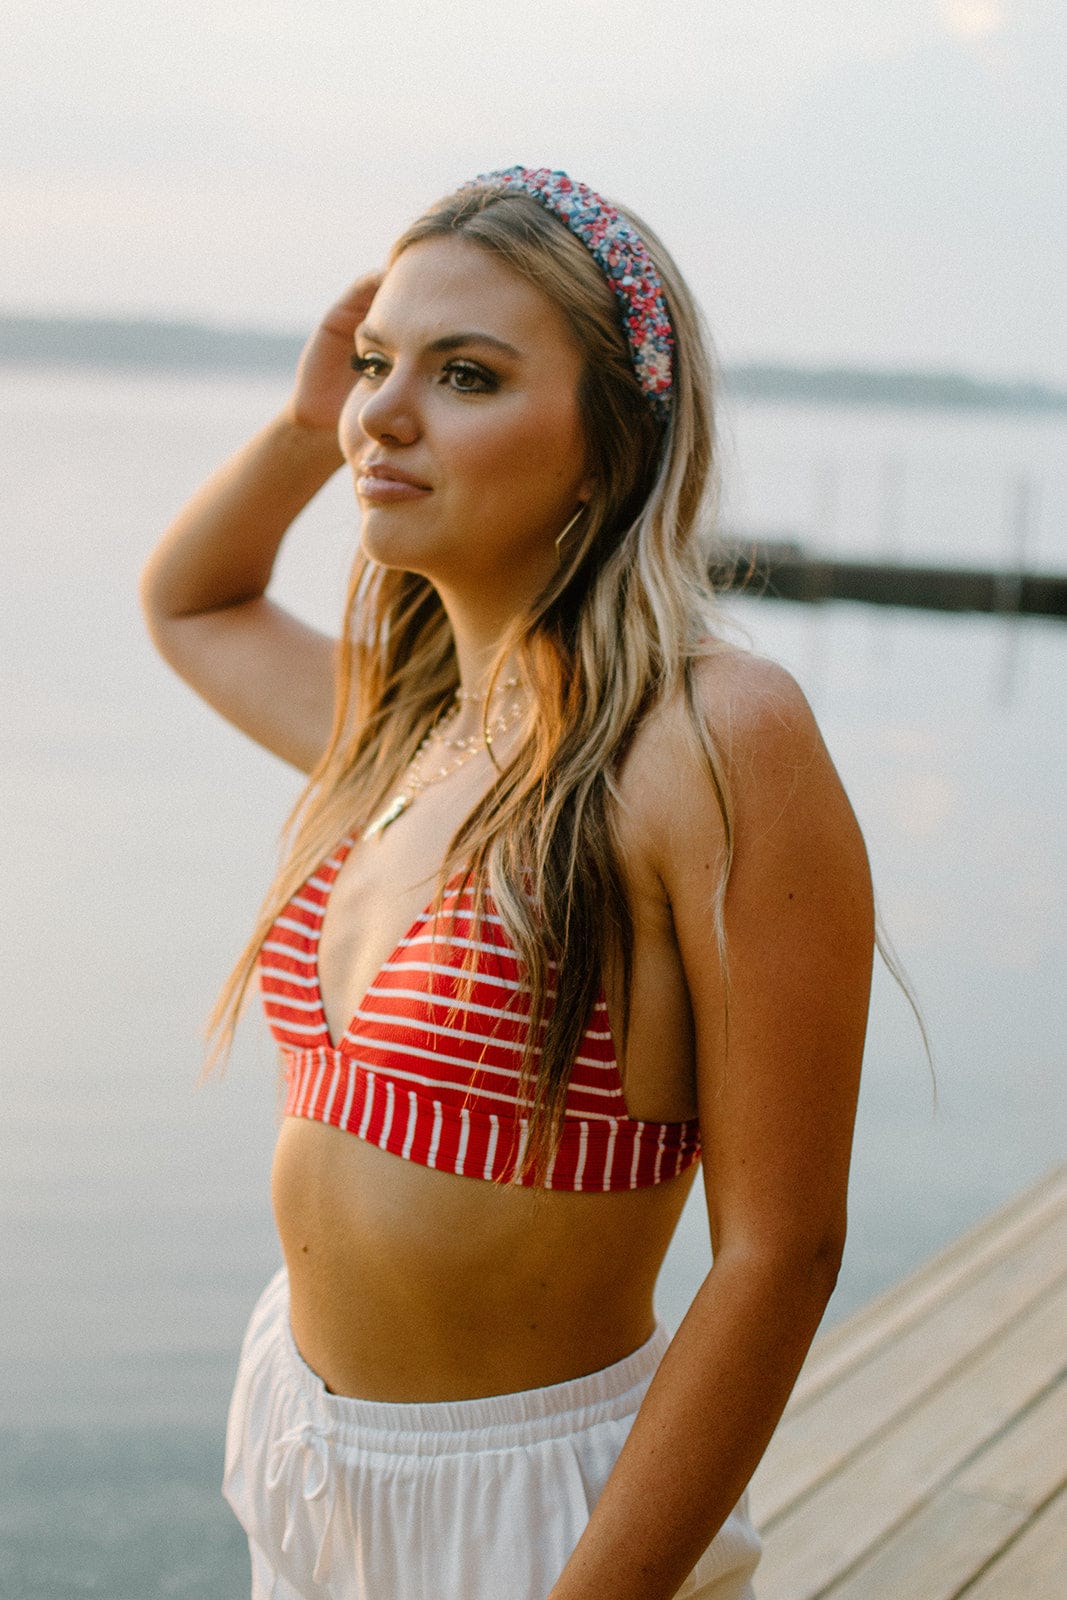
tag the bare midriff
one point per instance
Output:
(411, 1284)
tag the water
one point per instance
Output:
(139, 833)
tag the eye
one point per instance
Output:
(369, 366)
(467, 377)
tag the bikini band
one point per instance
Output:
(622, 256)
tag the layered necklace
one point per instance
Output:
(441, 752)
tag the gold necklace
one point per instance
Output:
(415, 780)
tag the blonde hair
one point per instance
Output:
(617, 630)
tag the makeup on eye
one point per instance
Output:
(464, 376)
(366, 365)
(470, 377)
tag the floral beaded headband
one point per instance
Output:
(622, 255)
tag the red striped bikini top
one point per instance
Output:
(428, 1067)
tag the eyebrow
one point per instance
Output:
(450, 341)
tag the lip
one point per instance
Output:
(377, 480)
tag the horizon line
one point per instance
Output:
(188, 343)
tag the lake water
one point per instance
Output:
(139, 833)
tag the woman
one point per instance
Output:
(574, 895)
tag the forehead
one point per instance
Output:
(440, 287)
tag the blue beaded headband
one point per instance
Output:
(622, 256)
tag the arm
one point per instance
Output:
(203, 589)
(777, 1111)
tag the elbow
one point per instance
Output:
(823, 1263)
(818, 1256)
(818, 1246)
(157, 609)
(807, 1269)
(801, 1268)
(148, 598)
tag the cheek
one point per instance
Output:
(532, 459)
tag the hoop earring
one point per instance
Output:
(567, 529)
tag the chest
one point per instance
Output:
(384, 887)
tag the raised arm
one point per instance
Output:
(777, 1087)
(203, 589)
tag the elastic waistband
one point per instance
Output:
(501, 1421)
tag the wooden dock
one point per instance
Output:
(781, 569)
(923, 1455)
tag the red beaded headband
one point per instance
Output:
(622, 256)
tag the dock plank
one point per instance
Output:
(938, 1550)
(927, 1440)
(901, 1372)
(830, 1530)
(1034, 1567)
(936, 1553)
(891, 1312)
(1028, 1463)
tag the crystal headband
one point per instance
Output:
(622, 256)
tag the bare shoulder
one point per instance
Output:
(773, 754)
(746, 701)
(798, 886)
(741, 698)
(742, 744)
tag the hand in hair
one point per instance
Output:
(204, 586)
(324, 375)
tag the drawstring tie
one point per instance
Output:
(310, 1443)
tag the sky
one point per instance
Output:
(882, 182)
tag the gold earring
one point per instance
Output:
(567, 530)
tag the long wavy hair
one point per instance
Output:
(618, 629)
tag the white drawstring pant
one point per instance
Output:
(346, 1499)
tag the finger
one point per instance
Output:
(347, 312)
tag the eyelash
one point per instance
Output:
(486, 381)
(370, 366)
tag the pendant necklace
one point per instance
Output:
(416, 778)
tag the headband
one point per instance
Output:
(622, 256)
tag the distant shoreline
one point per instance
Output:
(146, 344)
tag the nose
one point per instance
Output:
(388, 414)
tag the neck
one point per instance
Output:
(477, 643)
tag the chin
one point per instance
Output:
(385, 540)
(407, 556)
